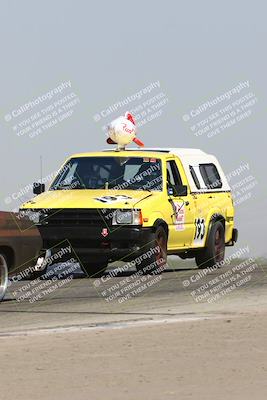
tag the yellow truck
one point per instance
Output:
(137, 205)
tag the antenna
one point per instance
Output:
(41, 168)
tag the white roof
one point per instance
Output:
(174, 150)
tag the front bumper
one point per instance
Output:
(109, 243)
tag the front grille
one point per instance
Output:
(77, 217)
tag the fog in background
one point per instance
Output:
(110, 50)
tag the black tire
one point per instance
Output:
(94, 269)
(156, 252)
(214, 252)
(3, 275)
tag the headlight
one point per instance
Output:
(127, 217)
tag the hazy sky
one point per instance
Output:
(190, 52)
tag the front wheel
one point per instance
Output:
(154, 257)
(214, 252)
(3, 276)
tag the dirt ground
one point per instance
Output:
(224, 358)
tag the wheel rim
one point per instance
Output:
(161, 243)
(219, 245)
(3, 277)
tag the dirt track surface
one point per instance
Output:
(208, 359)
(165, 342)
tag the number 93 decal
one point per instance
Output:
(200, 230)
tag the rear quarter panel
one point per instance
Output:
(210, 205)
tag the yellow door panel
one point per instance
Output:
(182, 208)
(182, 225)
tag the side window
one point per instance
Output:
(173, 175)
(210, 176)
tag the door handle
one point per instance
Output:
(186, 203)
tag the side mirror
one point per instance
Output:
(38, 188)
(177, 190)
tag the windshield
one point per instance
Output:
(141, 173)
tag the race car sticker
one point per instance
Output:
(112, 199)
(179, 210)
(199, 231)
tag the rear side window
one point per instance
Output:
(210, 176)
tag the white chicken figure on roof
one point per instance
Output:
(122, 131)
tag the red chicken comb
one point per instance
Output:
(130, 117)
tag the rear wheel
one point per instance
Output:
(154, 257)
(215, 250)
(94, 269)
(3, 276)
